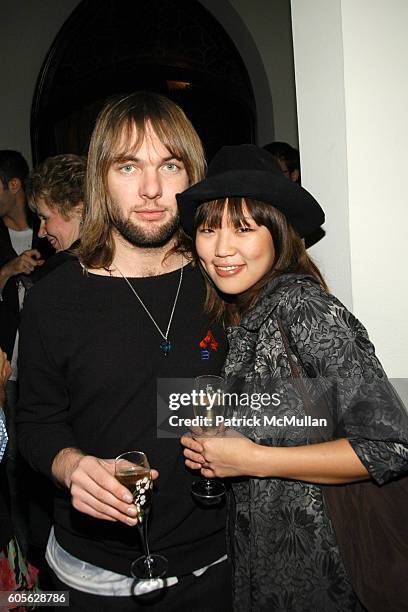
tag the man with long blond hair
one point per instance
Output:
(105, 328)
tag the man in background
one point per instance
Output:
(287, 157)
(22, 253)
(21, 250)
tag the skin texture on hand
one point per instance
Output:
(23, 264)
(332, 462)
(93, 486)
(5, 371)
(222, 456)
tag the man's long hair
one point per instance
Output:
(119, 131)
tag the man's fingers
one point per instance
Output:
(26, 265)
(108, 464)
(92, 486)
(32, 253)
(86, 509)
(96, 491)
(84, 500)
(100, 473)
(102, 496)
(31, 259)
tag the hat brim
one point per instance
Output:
(302, 210)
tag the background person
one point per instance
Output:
(55, 191)
(15, 572)
(21, 250)
(287, 157)
(248, 221)
(22, 253)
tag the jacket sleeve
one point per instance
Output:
(42, 413)
(331, 343)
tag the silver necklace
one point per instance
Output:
(166, 344)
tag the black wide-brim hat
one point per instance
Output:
(249, 171)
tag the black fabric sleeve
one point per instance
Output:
(42, 411)
(330, 340)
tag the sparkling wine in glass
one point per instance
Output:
(210, 409)
(132, 470)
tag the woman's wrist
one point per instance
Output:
(261, 461)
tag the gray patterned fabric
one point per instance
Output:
(283, 547)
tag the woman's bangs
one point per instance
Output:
(209, 214)
(261, 212)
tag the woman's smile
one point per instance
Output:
(228, 270)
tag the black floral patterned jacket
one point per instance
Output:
(283, 547)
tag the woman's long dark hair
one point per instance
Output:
(290, 253)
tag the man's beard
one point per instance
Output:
(141, 237)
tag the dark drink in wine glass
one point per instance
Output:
(210, 409)
(132, 470)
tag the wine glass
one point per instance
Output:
(133, 471)
(209, 407)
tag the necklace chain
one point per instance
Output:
(164, 336)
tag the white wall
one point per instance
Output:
(376, 64)
(27, 30)
(351, 63)
(269, 22)
(319, 73)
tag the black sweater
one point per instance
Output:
(89, 360)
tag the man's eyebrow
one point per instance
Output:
(170, 157)
(117, 159)
(122, 158)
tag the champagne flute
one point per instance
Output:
(133, 471)
(209, 408)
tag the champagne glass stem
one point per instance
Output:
(142, 527)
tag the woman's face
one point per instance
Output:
(59, 231)
(235, 258)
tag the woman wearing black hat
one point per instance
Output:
(285, 332)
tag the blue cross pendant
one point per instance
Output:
(165, 347)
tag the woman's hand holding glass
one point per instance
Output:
(221, 457)
(209, 409)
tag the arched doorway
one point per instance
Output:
(175, 47)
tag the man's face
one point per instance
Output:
(6, 200)
(143, 187)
